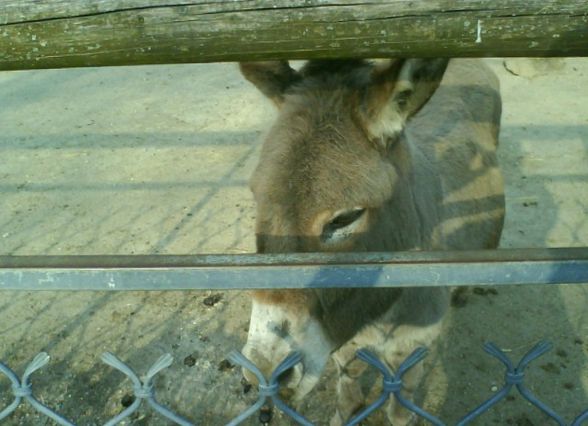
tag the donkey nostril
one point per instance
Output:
(286, 376)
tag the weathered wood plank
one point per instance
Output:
(62, 33)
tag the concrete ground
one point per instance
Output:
(155, 159)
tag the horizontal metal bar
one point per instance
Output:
(298, 270)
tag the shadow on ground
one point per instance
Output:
(156, 160)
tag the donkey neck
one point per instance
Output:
(408, 218)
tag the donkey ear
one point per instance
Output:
(272, 78)
(418, 80)
(398, 91)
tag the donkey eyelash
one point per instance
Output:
(340, 222)
(345, 219)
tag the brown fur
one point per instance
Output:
(432, 184)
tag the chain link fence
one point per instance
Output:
(268, 389)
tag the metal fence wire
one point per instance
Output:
(268, 389)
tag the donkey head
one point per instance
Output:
(324, 174)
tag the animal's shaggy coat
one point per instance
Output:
(370, 157)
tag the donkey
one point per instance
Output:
(389, 155)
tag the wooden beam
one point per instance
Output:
(64, 33)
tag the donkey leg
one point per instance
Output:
(350, 397)
(406, 340)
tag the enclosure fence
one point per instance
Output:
(295, 270)
(306, 270)
(37, 35)
(268, 389)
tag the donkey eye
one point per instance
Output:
(341, 221)
(345, 219)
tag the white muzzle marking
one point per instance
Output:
(277, 330)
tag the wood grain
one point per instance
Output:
(61, 33)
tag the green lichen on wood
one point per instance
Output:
(133, 32)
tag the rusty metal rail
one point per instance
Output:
(303, 270)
